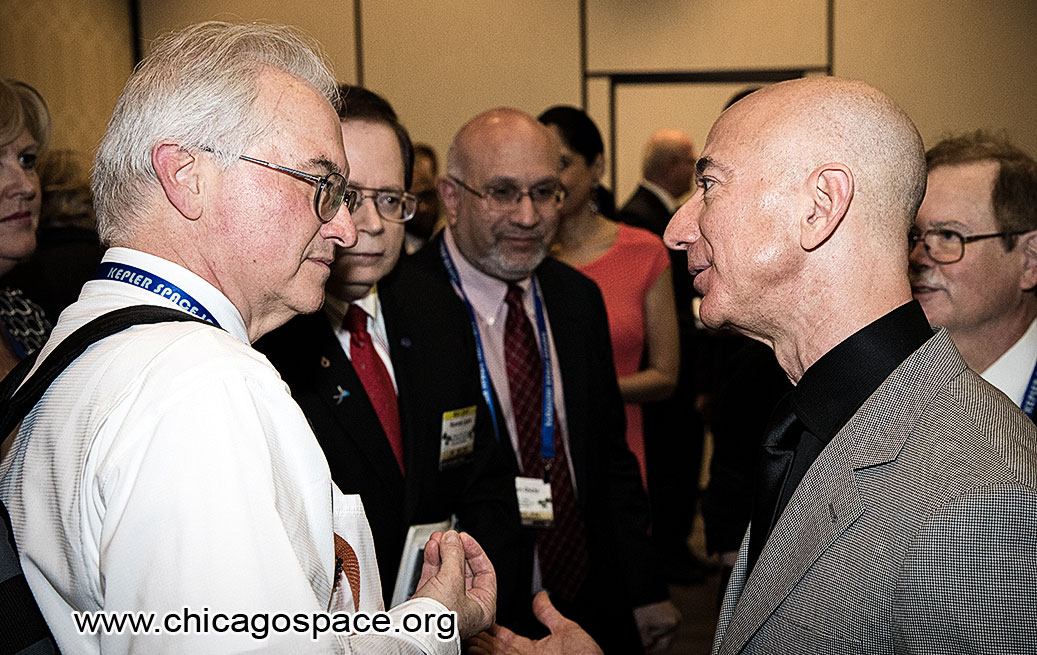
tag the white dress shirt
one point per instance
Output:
(168, 467)
(1012, 370)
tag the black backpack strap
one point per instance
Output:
(21, 623)
(17, 404)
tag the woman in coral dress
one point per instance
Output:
(630, 266)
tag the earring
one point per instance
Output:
(594, 207)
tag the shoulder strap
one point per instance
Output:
(22, 624)
(17, 404)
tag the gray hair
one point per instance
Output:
(197, 87)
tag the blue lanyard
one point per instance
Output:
(547, 424)
(1030, 399)
(142, 279)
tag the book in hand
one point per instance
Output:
(413, 557)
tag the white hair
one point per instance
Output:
(197, 87)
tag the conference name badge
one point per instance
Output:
(457, 437)
(534, 501)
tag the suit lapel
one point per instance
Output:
(428, 261)
(823, 506)
(402, 352)
(827, 501)
(345, 399)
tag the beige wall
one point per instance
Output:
(952, 65)
(697, 35)
(77, 54)
(440, 63)
(328, 23)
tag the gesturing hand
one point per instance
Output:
(457, 573)
(566, 638)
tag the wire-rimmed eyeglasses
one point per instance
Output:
(505, 197)
(946, 246)
(330, 194)
(391, 205)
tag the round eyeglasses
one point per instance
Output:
(392, 206)
(331, 192)
(948, 246)
(505, 197)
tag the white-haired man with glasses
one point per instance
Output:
(390, 390)
(167, 471)
(974, 257)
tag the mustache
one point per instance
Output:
(921, 280)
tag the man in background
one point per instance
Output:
(673, 428)
(546, 360)
(393, 396)
(423, 185)
(974, 258)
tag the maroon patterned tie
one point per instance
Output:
(375, 378)
(562, 547)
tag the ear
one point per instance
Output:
(448, 193)
(180, 174)
(831, 190)
(1028, 245)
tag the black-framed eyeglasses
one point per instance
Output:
(506, 197)
(331, 192)
(948, 246)
(392, 206)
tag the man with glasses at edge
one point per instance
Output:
(974, 258)
(546, 368)
(167, 469)
(392, 393)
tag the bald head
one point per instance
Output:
(798, 230)
(669, 158)
(479, 140)
(502, 193)
(802, 124)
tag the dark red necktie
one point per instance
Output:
(562, 547)
(375, 378)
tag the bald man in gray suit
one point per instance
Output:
(897, 509)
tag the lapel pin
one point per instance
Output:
(405, 342)
(325, 362)
(341, 395)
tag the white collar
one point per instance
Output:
(221, 308)
(1012, 370)
(336, 308)
(664, 195)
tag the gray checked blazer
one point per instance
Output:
(915, 530)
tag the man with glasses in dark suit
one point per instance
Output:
(390, 392)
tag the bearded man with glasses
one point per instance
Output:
(545, 367)
(974, 258)
(390, 389)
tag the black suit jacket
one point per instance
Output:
(435, 371)
(608, 483)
